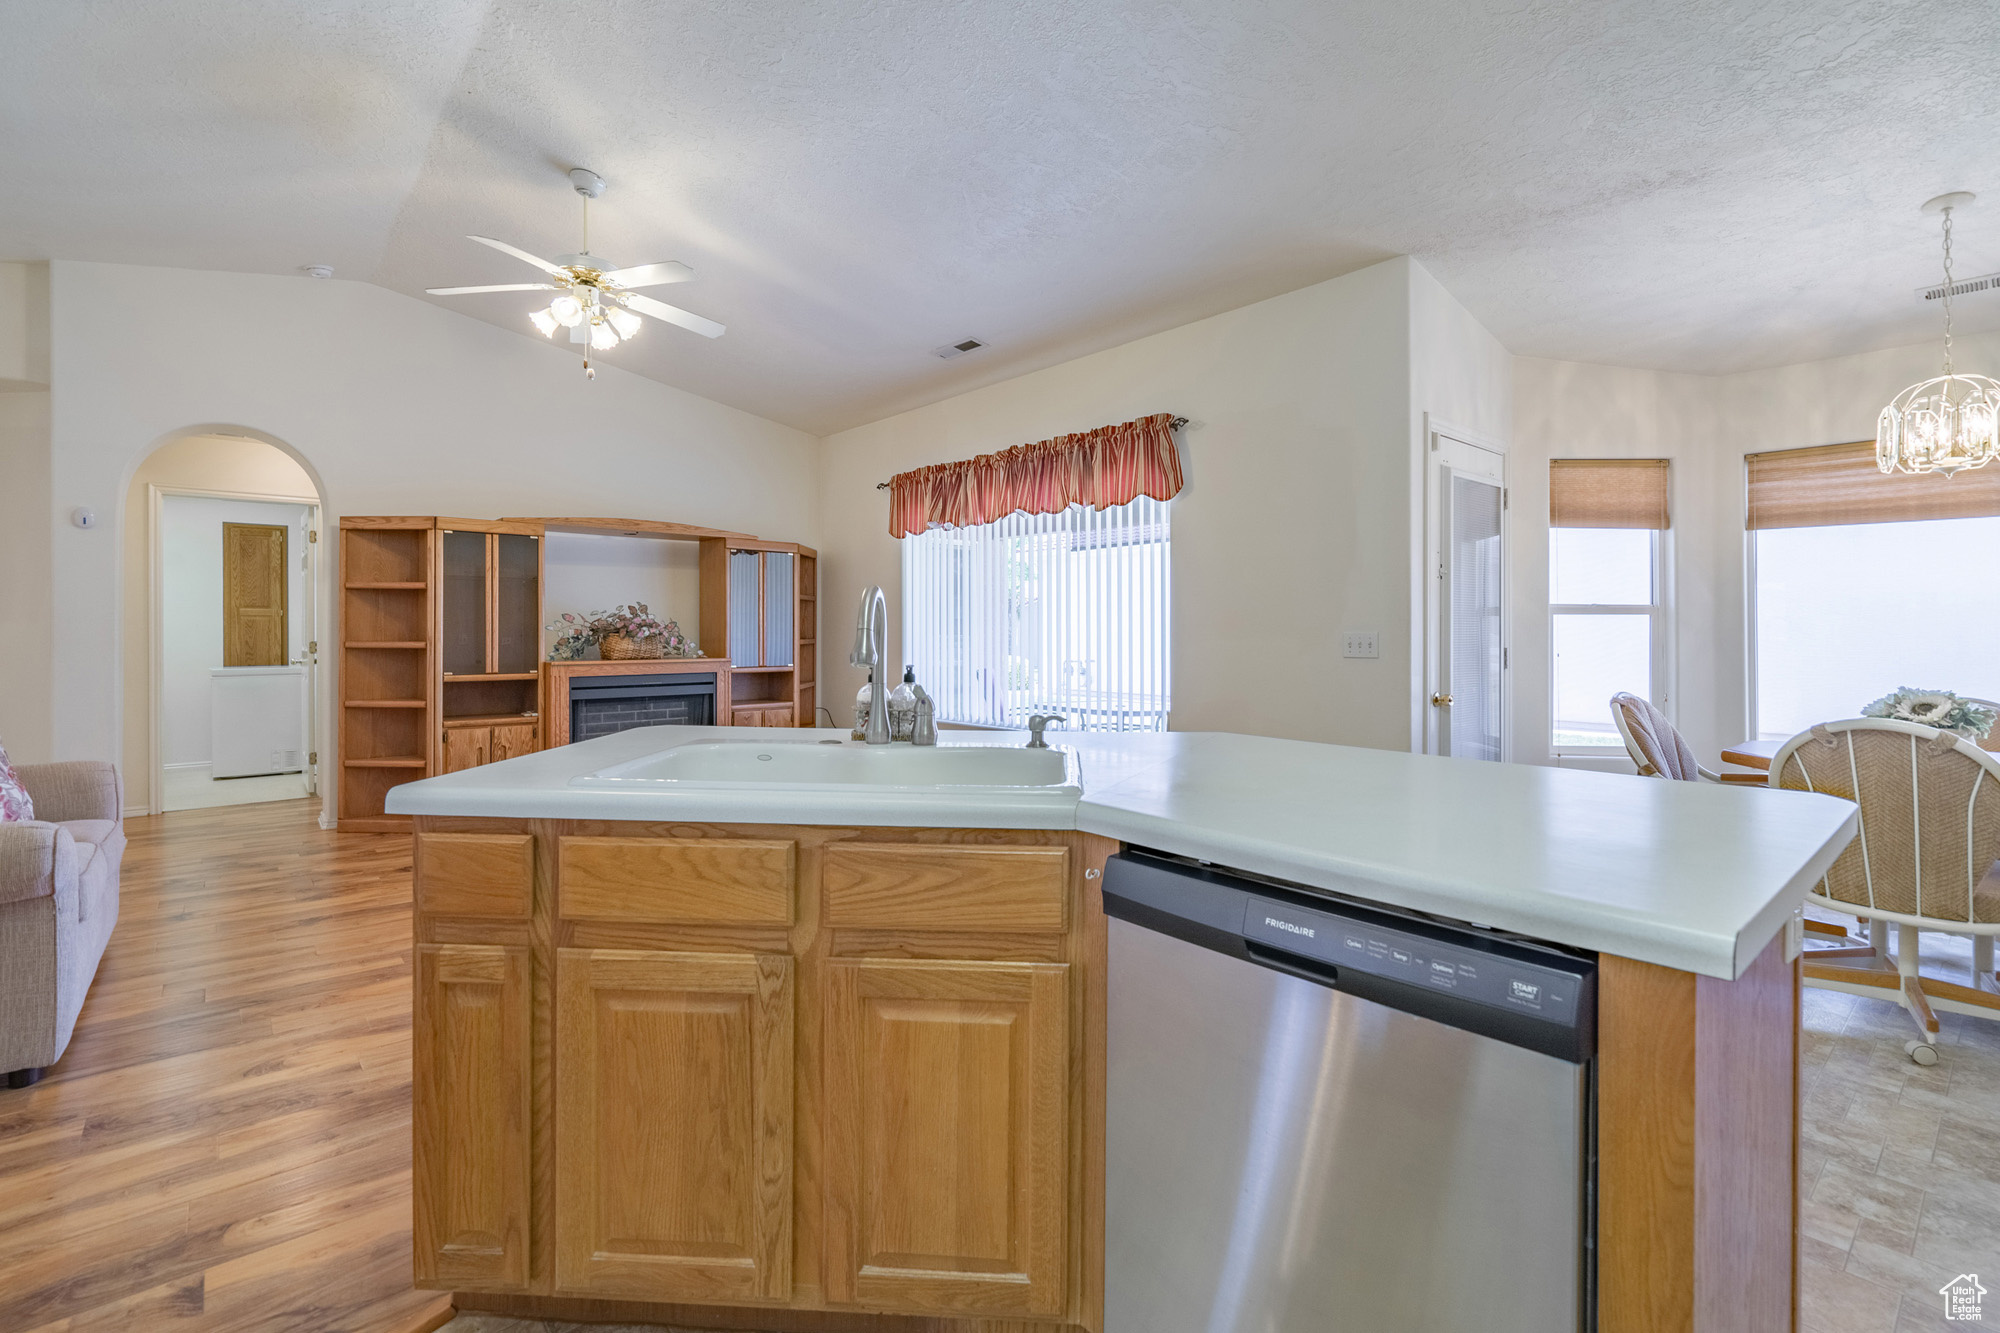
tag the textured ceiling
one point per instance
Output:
(1701, 185)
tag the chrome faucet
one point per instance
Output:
(871, 630)
(1036, 722)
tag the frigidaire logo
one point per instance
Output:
(1286, 925)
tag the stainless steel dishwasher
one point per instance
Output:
(1328, 1118)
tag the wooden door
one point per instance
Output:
(255, 628)
(470, 1104)
(674, 1125)
(744, 715)
(510, 740)
(779, 715)
(466, 747)
(946, 1133)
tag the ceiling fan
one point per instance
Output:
(596, 300)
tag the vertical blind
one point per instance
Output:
(1608, 493)
(1065, 613)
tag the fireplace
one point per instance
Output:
(601, 705)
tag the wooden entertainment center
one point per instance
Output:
(441, 643)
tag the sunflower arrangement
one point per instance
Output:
(1935, 708)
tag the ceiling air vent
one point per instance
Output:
(1963, 287)
(950, 350)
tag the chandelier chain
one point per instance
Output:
(1947, 291)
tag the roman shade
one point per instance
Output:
(1840, 483)
(1608, 493)
(1112, 465)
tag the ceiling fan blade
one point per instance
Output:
(502, 287)
(649, 275)
(555, 270)
(673, 314)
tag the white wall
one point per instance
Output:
(27, 663)
(1294, 523)
(24, 326)
(585, 572)
(392, 404)
(191, 612)
(1705, 425)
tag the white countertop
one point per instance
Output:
(1687, 875)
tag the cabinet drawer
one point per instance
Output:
(932, 887)
(700, 881)
(475, 874)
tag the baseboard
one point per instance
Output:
(138, 811)
(193, 763)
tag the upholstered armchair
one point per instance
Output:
(58, 902)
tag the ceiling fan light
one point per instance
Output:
(544, 321)
(567, 310)
(602, 336)
(624, 321)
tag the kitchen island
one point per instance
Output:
(827, 1054)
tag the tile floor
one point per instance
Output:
(1900, 1167)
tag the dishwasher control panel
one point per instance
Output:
(1483, 977)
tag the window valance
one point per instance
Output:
(1112, 465)
(1608, 493)
(1840, 483)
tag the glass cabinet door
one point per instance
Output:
(464, 603)
(517, 603)
(743, 624)
(780, 608)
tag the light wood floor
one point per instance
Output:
(226, 1143)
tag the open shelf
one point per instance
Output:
(491, 719)
(398, 586)
(742, 671)
(387, 643)
(385, 703)
(450, 677)
(400, 761)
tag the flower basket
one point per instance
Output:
(623, 647)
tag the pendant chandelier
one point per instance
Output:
(1950, 423)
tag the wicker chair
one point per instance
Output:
(1924, 859)
(1655, 746)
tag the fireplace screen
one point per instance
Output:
(601, 705)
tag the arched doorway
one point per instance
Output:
(223, 615)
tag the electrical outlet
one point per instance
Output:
(1359, 644)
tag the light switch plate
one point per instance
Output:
(1359, 643)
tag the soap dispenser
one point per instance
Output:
(903, 706)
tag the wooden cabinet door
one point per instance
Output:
(674, 1125)
(743, 715)
(779, 715)
(508, 741)
(470, 1104)
(947, 1136)
(466, 747)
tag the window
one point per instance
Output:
(1607, 612)
(1863, 583)
(1064, 613)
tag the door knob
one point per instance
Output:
(1441, 701)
